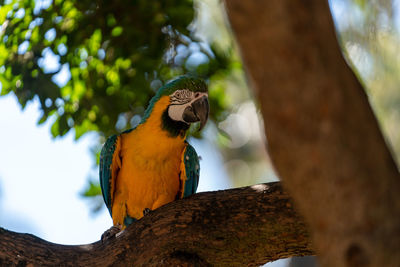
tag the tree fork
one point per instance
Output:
(244, 226)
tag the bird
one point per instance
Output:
(146, 167)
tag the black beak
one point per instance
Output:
(197, 111)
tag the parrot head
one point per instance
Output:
(187, 103)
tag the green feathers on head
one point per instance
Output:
(183, 82)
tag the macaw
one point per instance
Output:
(152, 164)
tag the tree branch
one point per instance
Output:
(323, 138)
(244, 226)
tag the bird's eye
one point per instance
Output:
(197, 95)
(178, 94)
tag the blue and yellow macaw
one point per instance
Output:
(151, 165)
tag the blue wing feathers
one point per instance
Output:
(106, 158)
(192, 169)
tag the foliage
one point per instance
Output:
(371, 40)
(110, 57)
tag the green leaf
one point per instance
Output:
(92, 189)
(117, 31)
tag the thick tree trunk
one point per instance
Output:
(244, 226)
(322, 135)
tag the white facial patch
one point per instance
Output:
(175, 111)
(180, 100)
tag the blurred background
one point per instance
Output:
(73, 73)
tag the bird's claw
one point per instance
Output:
(146, 211)
(111, 233)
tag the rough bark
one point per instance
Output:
(244, 226)
(322, 136)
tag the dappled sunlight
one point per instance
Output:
(247, 161)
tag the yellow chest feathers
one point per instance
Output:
(150, 167)
(151, 159)
(149, 145)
